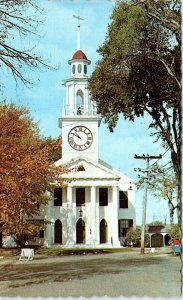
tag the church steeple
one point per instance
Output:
(78, 102)
(79, 121)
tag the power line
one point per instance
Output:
(161, 157)
(147, 171)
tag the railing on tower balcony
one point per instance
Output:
(79, 110)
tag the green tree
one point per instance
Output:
(174, 233)
(133, 237)
(139, 72)
(156, 223)
(163, 185)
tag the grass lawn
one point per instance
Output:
(8, 252)
(79, 251)
(44, 251)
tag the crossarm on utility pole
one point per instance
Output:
(144, 204)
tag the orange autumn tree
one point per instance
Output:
(26, 171)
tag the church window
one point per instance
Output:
(58, 232)
(58, 196)
(124, 226)
(73, 69)
(103, 196)
(80, 232)
(103, 232)
(85, 69)
(123, 199)
(79, 68)
(79, 102)
(81, 168)
(80, 196)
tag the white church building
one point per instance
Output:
(96, 207)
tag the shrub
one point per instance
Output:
(133, 238)
(174, 233)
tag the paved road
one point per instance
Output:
(117, 274)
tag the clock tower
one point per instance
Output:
(79, 121)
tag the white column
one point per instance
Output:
(85, 100)
(49, 233)
(74, 100)
(67, 101)
(48, 240)
(97, 238)
(93, 228)
(63, 108)
(163, 239)
(114, 216)
(70, 225)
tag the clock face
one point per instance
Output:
(80, 138)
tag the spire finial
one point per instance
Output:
(78, 31)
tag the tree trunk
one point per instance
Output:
(177, 169)
(179, 215)
(171, 214)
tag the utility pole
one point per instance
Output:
(144, 205)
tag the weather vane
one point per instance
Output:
(79, 18)
(78, 30)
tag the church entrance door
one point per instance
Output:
(80, 232)
(103, 232)
(58, 232)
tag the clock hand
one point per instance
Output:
(77, 135)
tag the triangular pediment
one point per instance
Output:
(86, 169)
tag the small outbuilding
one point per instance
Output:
(158, 235)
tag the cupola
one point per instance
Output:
(79, 64)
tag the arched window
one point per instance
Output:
(73, 69)
(58, 231)
(103, 232)
(85, 69)
(79, 68)
(79, 102)
(80, 232)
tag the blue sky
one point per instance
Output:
(57, 44)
